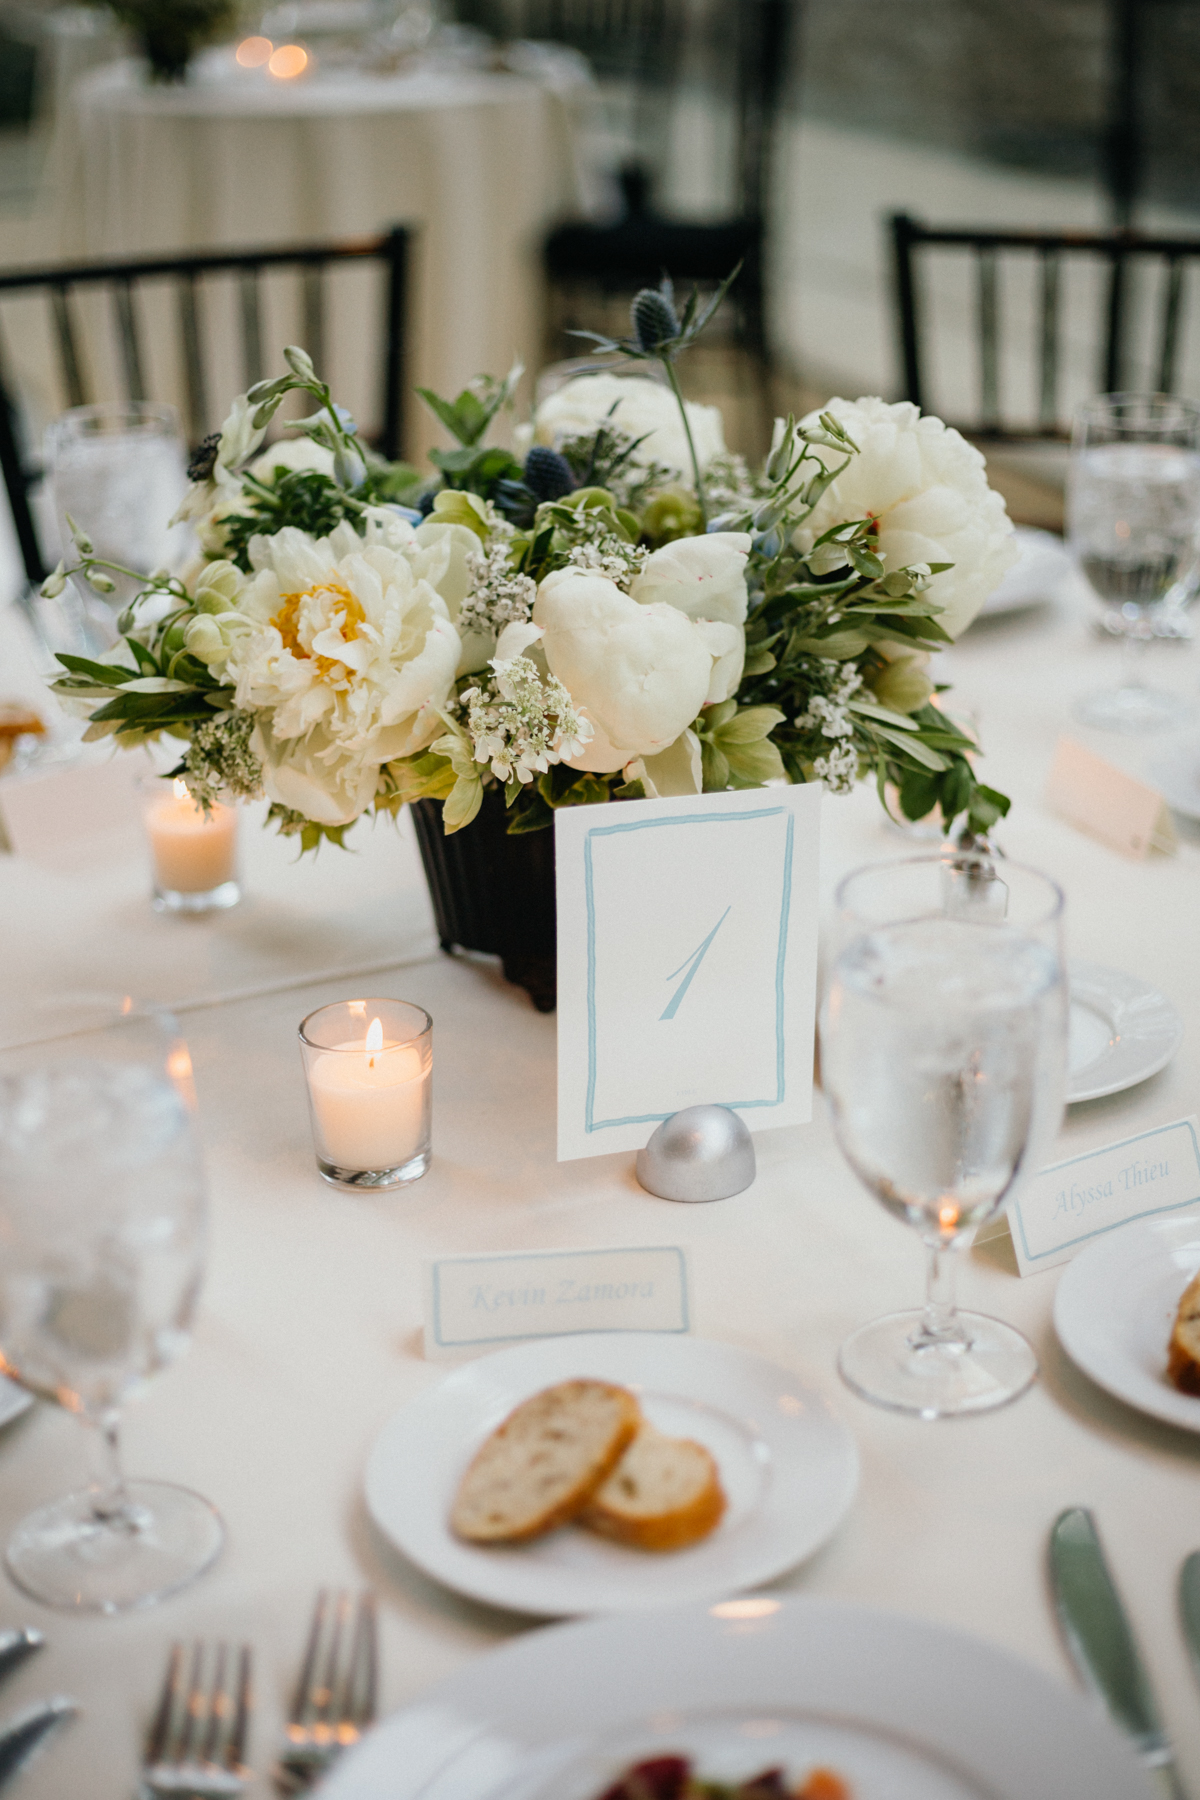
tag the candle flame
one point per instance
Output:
(180, 789)
(374, 1041)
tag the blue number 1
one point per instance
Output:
(694, 960)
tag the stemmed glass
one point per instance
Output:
(943, 1056)
(102, 1220)
(1134, 519)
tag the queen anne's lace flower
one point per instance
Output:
(928, 490)
(520, 722)
(350, 660)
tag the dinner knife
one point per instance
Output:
(25, 1733)
(1189, 1607)
(15, 1646)
(1101, 1643)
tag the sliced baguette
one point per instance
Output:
(664, 1493)
(1183, 1356)
(548, 1457)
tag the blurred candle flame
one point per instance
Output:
(179, 789)
(253, 52)
(288, 61)
(374, 1041)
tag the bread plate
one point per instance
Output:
(788, 1465)
(1116, 1304)
(1121, 1031)
(904, 1710)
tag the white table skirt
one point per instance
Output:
(479, 163)
(308, 1336)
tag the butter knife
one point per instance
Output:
(22, 1735)
(1101, 1643)
(15, 1646)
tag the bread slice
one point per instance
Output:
(1183, 1357)
(549, 1456)
(663, 1494)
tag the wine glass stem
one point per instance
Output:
(940, 1323)
(110, 1497)
(1134, 644)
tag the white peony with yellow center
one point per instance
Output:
(350, 656)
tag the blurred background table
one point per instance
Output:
(480, 162)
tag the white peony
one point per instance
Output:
(292, 453)
(705, 577)
(928, 488)
(639, 673)
(351, 656)
(644, 409)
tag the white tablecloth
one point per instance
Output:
(308, 1336)
(480, 163)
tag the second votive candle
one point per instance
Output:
(368, 1066)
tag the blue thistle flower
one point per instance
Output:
(548, 475)
(654, 319)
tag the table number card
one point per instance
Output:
(477, 1302)
(687, 960)
(1107, 803)
(1062, 1208)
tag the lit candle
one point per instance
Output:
(369, 1095)
(194, 852)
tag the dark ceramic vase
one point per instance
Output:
(494, 893)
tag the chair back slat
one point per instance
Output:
(191, 347)
(130, 342)
(314, 312)
(1112, 366)
(250, 301)
(1168, 354)
(69, 359)
(989, 339)
(1048, 372)
(188, 276)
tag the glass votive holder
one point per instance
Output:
(368, 1069)
(193, 852)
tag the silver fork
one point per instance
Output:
(335, 1695)
(197, 1743)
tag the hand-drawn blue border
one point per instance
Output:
(1101, 1230)
(591, 1123)
(515, 1337)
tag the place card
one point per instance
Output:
(1108, 803)
(687, 962)
(475, 1302)
(1067, 1205)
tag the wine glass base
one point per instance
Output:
(1133, 710)
(940, 1381)
(66, 1557)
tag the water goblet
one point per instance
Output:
(1133, 522)
(119, 472)
(102, 1217)
(943, 1057)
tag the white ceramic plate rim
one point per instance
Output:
(1098, 1310)
(1146, 1030)
(801, 1457)
(995, 1720)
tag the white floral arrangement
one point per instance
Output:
(622, 610)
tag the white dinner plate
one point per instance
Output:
(14, 1400)
(1121, 1031)
(788, 1465)
(1115, 1307)
(904, 1710)
(1042, 562)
